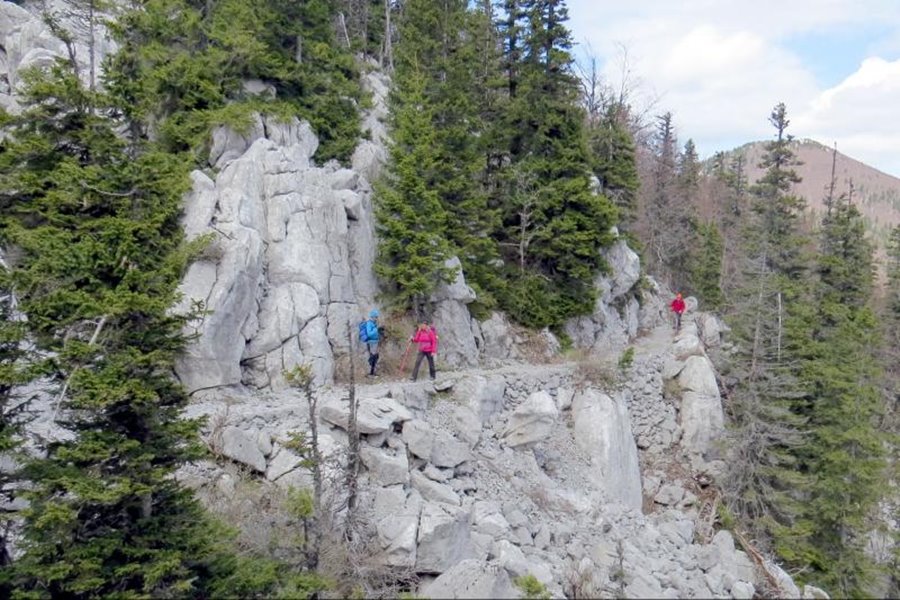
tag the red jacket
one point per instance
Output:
(427, 340)
(678, 305)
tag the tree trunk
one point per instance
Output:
(353, 459)
(388, 48)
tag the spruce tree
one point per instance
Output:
(94, 219)
(844, 450)
(181, 66)
(568, 224)
(412, 223)
(613, 154)
(769, 317)
(706, 266)
(440, 43)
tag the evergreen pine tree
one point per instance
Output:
(549, 163)
(95, 222)
(613, 154)
(706, 266)
(412, 223)
(844, 450)
(181, 66)
(769, 318)
(440, 43)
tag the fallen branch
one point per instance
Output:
(757, 558)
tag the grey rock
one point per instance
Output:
(433, 491)
(483, 394)
(473, 579)
(603, 433)
(264, 443)
(241, 446)
(375, 415)
(787, 586)
(811, 592)
(396, 519)
(447, 451)
(499, 341)
(419, 438)
(443, 538)
(384, 467)
(282, 462)
(436, 474)
(669, 495)
(564, 396)
(444, 384)
(488, 518)
(532, 421)
(466, 424)
(510, 557)
(742, 590)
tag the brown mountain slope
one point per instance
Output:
(876, 194)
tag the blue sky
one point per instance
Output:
(721, 65)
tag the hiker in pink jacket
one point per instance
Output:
(427, 339)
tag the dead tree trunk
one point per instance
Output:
(353, 459)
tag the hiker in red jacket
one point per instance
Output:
(678, 309)
(427, 339)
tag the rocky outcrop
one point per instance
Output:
(617, 311)
(450, 491)
(603, 432)
(276, 279)
(457, 329)
(27, 42)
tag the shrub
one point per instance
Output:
(531, 587)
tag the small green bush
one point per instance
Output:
(627, 359)
(531, 587)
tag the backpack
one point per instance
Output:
(363, 332)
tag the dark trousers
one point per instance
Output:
(372, 347)
(419, 358)
(677, 320)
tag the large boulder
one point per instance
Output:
(483, 394)
(603, 433)
(499, 339)
(373, 415)
(471, 578)
(396, 518)
(532, 421)
(616, 316)
(443, 538)
(456, 329)
(242, 446)
(702, 416)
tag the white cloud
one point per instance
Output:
(860, 114)
(720, 66)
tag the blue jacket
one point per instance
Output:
(371, 331)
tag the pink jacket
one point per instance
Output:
(427, 340)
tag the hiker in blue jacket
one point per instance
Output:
(372, 337)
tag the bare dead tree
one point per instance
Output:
(388, 49)
(353, 458)
(525, 195)
(302, 378)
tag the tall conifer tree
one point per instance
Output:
(767, 315)
(566, 224)
(412, 222)
(843, 451)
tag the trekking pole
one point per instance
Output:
(403, 360)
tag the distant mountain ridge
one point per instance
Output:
(876, 194)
